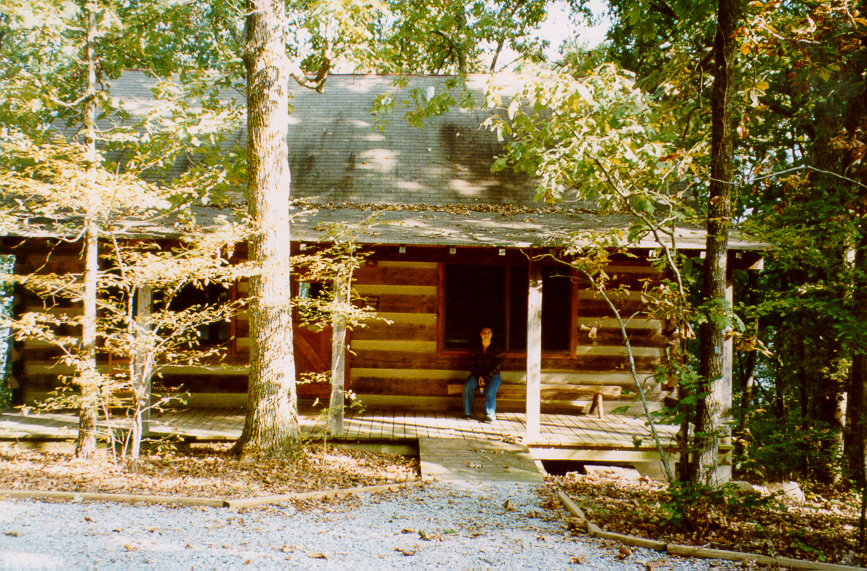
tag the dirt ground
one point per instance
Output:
(824, 527)
(204, 470)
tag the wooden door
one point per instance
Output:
(312, 355)
(312, 351)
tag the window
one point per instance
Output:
(495, 296)
(311, 300)
(192, 295)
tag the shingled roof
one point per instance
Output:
(432, 185)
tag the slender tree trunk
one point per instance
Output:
(141, 372)
(857, 401)
(712, 333)
(88, 380)
(856, 416)
(271, 427)
(749, 370)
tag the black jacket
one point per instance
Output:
(485, 364)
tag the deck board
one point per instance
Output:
(615, 432)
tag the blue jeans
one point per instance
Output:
(491, 388)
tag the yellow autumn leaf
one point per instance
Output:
(745, 49)
(762, 85)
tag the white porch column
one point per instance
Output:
(338, 361)
(724, 469)
(144, 300)
(534, 354)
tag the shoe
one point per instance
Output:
(489, 418)
(468, 417)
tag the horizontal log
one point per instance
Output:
(441, 387)
(415, 360)
(408, 318)
(560, 393)
(425, 347)
(202, 384)
(384, 289)
(400, 303)
(403, 331)
(579, 392)
(589, 308)
(397, 275)
(548, 377)
(637, 337)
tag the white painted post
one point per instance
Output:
(338, 361)
(724, 468)
(143, 322)
(534, 354)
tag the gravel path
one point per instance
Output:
(459, 526)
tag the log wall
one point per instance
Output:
(401, 362)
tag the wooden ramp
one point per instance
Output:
(455, 459)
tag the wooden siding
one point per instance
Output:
(402, 361)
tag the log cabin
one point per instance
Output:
(452, 251)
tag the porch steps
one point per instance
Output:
(459, 459)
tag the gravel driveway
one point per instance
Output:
(460, 525)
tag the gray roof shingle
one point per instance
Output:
(433, 185)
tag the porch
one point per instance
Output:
(617, 439)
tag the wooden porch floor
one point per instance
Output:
(560, 431)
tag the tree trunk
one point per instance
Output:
(87, 380)
(748, 374)
(856, 429)
(712, 333)
(141, 373)
(271, 427)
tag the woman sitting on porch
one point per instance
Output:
(485, 361)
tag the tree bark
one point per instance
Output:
(271, 427)
(141, 371)
(712, 333)
(85, 446)
(748, 374)
(856, 428)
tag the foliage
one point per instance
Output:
(818, 529)
(437, 37)
(338, 306)
(782, 449)
(55, 181)
(167, 336)
(334, 263)
(702, 508)
(590, 255)
(7, 382)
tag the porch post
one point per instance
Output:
(143, 327)
(724, 466)
(338, 360)
(534, 353)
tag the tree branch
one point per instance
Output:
(318, 83)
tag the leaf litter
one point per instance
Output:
(822, 528)
(204, 470)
